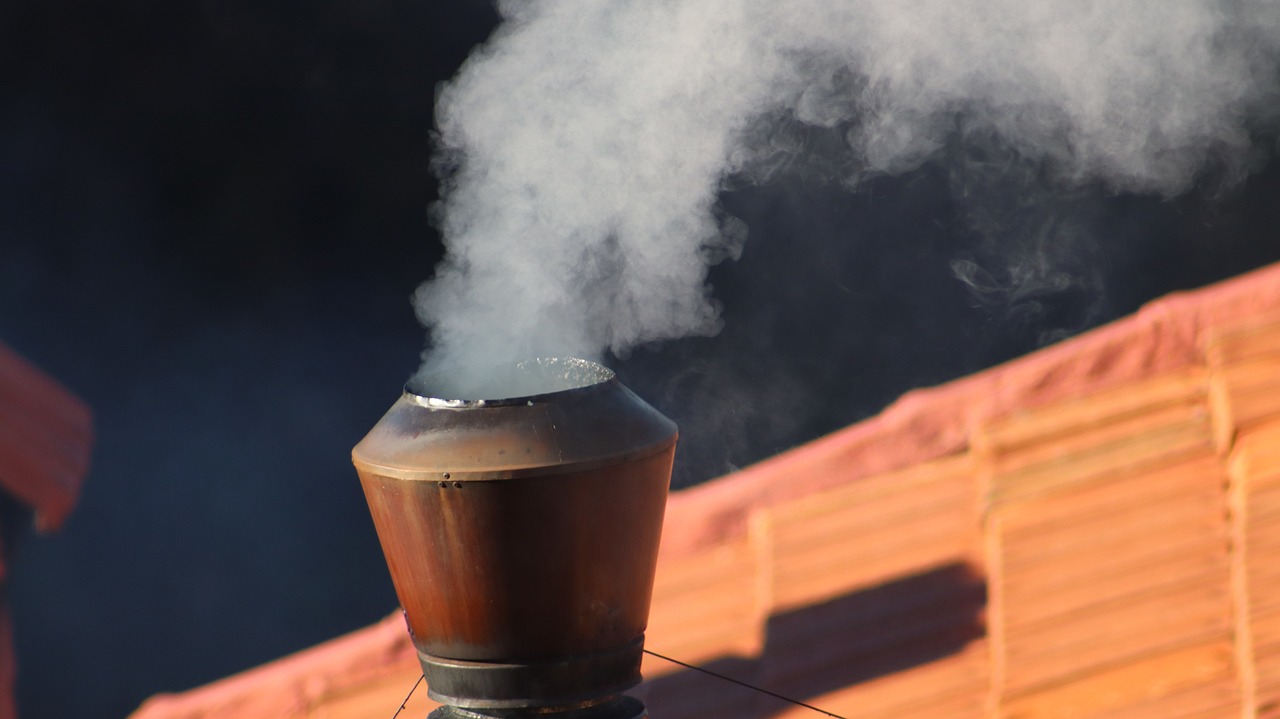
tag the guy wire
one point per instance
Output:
(405, 703)
(744, 684)
(717, 675)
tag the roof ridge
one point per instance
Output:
(927, 423)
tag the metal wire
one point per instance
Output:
(686, 665)
(408, 696)
(775, 695)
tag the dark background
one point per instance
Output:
(212, 216)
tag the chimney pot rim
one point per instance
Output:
(563, 375)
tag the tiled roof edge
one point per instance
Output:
(295, 680)
(50, 433)
(1165, 334)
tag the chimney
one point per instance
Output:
(522, 536)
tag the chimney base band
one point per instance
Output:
(564, 682)
(618, 708)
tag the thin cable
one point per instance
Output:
(775, 695)
(408, 696)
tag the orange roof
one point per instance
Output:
(45, 436)
(1086, 531)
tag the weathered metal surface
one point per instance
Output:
(567, 681)
(522, 533)
(619, 708)
(591, 421)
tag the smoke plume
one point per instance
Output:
(582, 149)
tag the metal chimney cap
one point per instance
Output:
(588, 420)
(527, 382)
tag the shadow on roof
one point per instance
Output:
(881, 630)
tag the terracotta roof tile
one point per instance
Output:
(389, 691)
(1201, 673)
(710, 607)
(1255, 471)
(949, 687)
(1040, 425)
(1044, 638)
(290, 688)
(861, 535)
(45, 437)
(1247, 359)
(690, 695)
(1162, 436)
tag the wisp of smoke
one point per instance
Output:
(581, 150)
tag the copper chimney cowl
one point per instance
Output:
(522, 534)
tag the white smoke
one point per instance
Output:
(582, 148)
